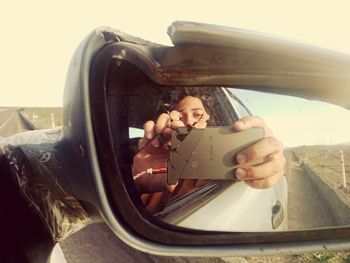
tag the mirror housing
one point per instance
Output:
(91, 159)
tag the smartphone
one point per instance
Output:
(208, 153)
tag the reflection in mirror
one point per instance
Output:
(316, 137)
(184, 146)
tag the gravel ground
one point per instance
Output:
(97, 244)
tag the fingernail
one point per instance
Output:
(239, 124)
(241, 158)
(240, 173)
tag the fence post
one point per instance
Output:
(34, 117)
(53, 120)
(343, 167)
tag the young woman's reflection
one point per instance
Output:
(190, 111)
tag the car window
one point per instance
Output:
(135, 132)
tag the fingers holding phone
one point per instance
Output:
(269, 149)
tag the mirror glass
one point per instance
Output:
(182, 157)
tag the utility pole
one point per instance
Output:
(53, 120)
(343, 167)
(34, 117)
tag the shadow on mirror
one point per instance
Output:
(195, 165)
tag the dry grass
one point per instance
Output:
(41, 117)
(324, 160)
(332, 257)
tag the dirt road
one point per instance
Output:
(97, 244)
(307, 208)
(10, 122)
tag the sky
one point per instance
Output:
(38, 38)
(297, 121)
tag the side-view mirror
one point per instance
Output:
(127, 83)
(150, 143)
